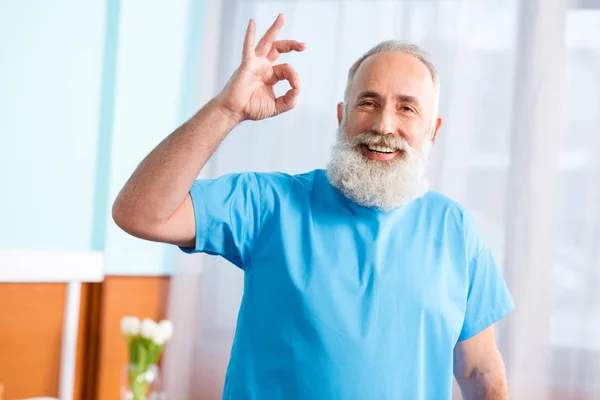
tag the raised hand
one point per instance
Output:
(249, 93)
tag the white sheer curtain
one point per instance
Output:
(519, 148)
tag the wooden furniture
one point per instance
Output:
(57, 267)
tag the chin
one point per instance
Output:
(387, 181)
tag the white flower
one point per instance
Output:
(164, 332)
(130, 326)
(167, 327)
(159, 337)
(149, 328)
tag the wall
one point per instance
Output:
(50, 69)
(149, 85)
(87, 91)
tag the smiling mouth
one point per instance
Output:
(381, 149)
(379, 152)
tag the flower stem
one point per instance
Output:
(137, 383)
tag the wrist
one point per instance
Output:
(226, 112)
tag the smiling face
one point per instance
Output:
(386, 131)
(392, 93)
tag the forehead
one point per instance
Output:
(393, 73)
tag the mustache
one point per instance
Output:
(372, 137)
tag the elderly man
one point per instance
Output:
(360, 283)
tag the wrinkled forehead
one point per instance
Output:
(393, 74)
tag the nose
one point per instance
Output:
(385, 124)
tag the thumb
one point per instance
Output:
(287, 102)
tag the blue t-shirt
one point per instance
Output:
(343, 301)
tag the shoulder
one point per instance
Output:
(281, 181)
(437, 204)
(264, 179)
(266, 187)
(283, 178)
(456, 217)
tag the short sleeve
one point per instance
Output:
(488, 298)
(227, 214)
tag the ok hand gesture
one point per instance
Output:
(249, 93)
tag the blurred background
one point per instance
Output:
(87, 89)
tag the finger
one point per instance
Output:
(286, 72)
(249, 40)
(264, 45)
(287, 102)
(284, 46)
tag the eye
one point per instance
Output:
(407, 109)
(367, 103)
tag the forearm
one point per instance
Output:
(161, 182)
(484, 386)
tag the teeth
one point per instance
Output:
(381, 149)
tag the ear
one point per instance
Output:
(438, 124)
(340, 112)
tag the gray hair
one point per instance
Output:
(401, 47)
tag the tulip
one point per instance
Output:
(130, 326)
(165, 327)
(145, 342)
(149, 328)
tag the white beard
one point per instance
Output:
(380, 184)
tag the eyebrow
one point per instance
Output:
(401, 98)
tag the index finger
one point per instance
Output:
(249, 40)
(284, 46)
(264, 45)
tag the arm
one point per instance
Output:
(155, 203)
(479, 369)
